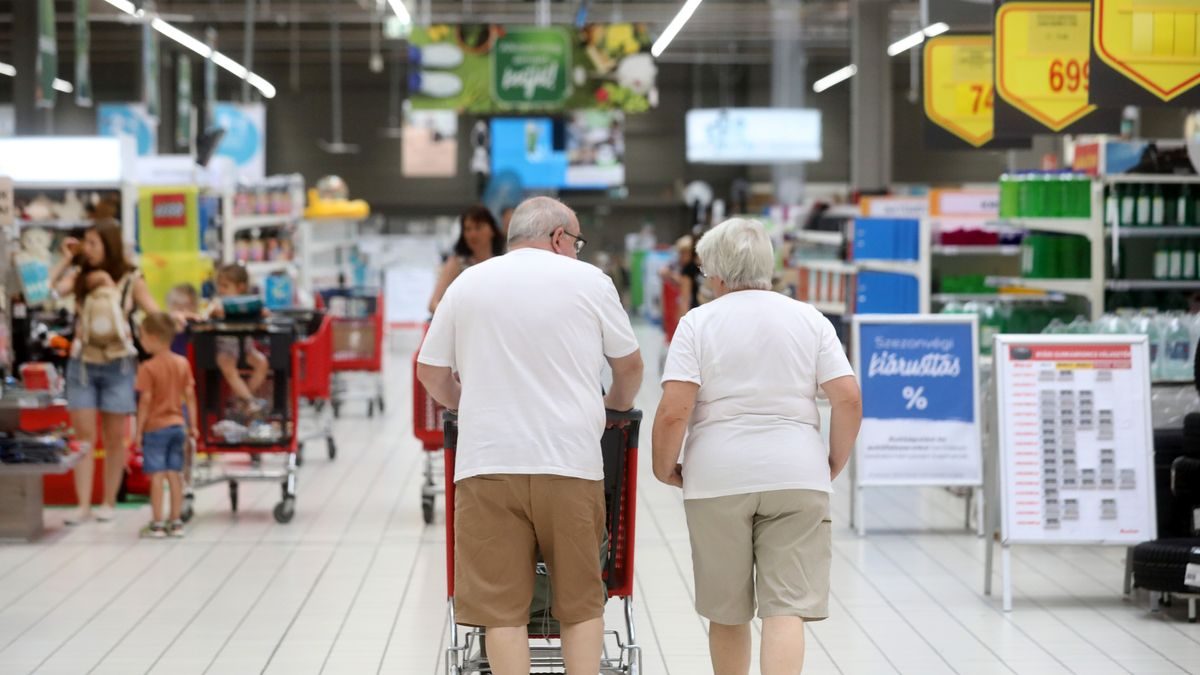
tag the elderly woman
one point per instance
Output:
(741, 380)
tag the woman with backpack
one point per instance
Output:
(103, 364)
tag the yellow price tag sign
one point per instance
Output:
(1155, 43)
(958, 86)
(1042, 60)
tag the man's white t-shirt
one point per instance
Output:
(758, 357)
(528, 333)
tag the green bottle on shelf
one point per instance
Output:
(1161, 260)
(1185, 207)
(1158, 206)
(1127, 195)
(1112, 206)
(1189, 260)
(1143, 205)
(1010, 196)
(1175, 259)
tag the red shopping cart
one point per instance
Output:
(314, 378)
(670, 306)
(226, 432)
(427, 427)
(620, 448)
(357, 329)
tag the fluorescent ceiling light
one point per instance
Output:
(673, 28)
(400, 10)
(238, 70)
(839, 75)
(6, 69)
(906, 43)
(63, 86)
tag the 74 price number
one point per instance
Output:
(1070, 75)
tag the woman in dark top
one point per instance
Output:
(480, 239)
(691, 278)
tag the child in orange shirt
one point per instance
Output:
(165, 385)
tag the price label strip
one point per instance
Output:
(1042, 60)
(959, 87)
(1155, 43)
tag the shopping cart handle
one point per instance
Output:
(631, 415)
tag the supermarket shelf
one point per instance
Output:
(1161, 179)
(831, 308)
(268, 267)
(1084, 287)
(998, 297)
(1173, 383)
(54, 224)
(912, 267)
(316, 247)
(1151, 232)
(239, 223)
(838, 266)
(821, 238)
(1151, 285)
(1009, 250)
(1081, 226)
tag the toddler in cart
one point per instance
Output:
(165, 386)
(233, 281)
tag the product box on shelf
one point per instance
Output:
(887, 293)
(886, 239)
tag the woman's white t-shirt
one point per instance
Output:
(758, 357)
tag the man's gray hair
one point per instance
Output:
(738, 252)
(537, 218)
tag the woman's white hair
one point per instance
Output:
(537, 218)
(738, 252)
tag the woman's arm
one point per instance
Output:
(143, 298)
(846, 400)
(670, 425)
(450, 271)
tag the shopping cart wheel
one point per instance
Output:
(285, 510)
(300, 455)
(188, 510)
(427, 508)
(337, 409)
(233, 496)
(331, 446)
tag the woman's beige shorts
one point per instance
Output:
(771, 545)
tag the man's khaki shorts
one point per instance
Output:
(773, 545)
(501, 522)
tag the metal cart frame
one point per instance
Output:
(466, 653)
(427, 427)
(372, 365)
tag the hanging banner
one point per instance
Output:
(245, 139)
(183, 104)
(150, 70)
(210, 81)
(1042, 67)
(959, 93)
(1076, 449)
(429, 146)
(129, 120)
(83, 47)
(47, 55)
(920, 391)
(485, 69)
(1145, 53)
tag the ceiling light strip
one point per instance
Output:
(837, 76)
(673, 28)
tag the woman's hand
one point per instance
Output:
(69, 247)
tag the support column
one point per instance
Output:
(870, 96)
(789, 63)
(29, 120)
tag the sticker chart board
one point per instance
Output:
(921, 410)
(1075, 442)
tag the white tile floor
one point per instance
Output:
(356, 584)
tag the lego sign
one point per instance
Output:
(169, 210)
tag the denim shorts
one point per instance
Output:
(162, 450)
(107, 387)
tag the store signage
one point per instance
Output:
(895, 207)
(981, 203)
(47, 55)
(8, 214)
(83, 46)
(1148, 51)
(958, 86)
(183, 103)
(920, 391)
(1042, 61)
(150, 54)
(487, 68)
(169, 210)
(1075, 438)
(531, 65)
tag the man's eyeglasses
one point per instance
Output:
(580, 242)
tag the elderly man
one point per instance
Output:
(741, 380)
(529, 333)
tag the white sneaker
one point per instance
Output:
(104, 513)
(77, 516)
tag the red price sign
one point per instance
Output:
(1070, 75)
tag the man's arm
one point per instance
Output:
(627, 379)
(846, 400)
(441, 384)
(670, 425)
(146, 394)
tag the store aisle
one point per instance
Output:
(356, 583)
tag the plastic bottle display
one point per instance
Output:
(1045, 194)
(1177, 351)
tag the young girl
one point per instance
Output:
(232, 280)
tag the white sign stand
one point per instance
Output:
(911, 363)
(1074, 459)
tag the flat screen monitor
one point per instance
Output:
(583, 151)
(753, 135)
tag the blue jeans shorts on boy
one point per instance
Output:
(162, 449)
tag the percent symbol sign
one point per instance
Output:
(914, 397)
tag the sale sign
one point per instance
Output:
(959, 92)
(1151, 48)
(920, 391)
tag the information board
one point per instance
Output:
(1075, 439)
(920, 390)
(958, 84)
